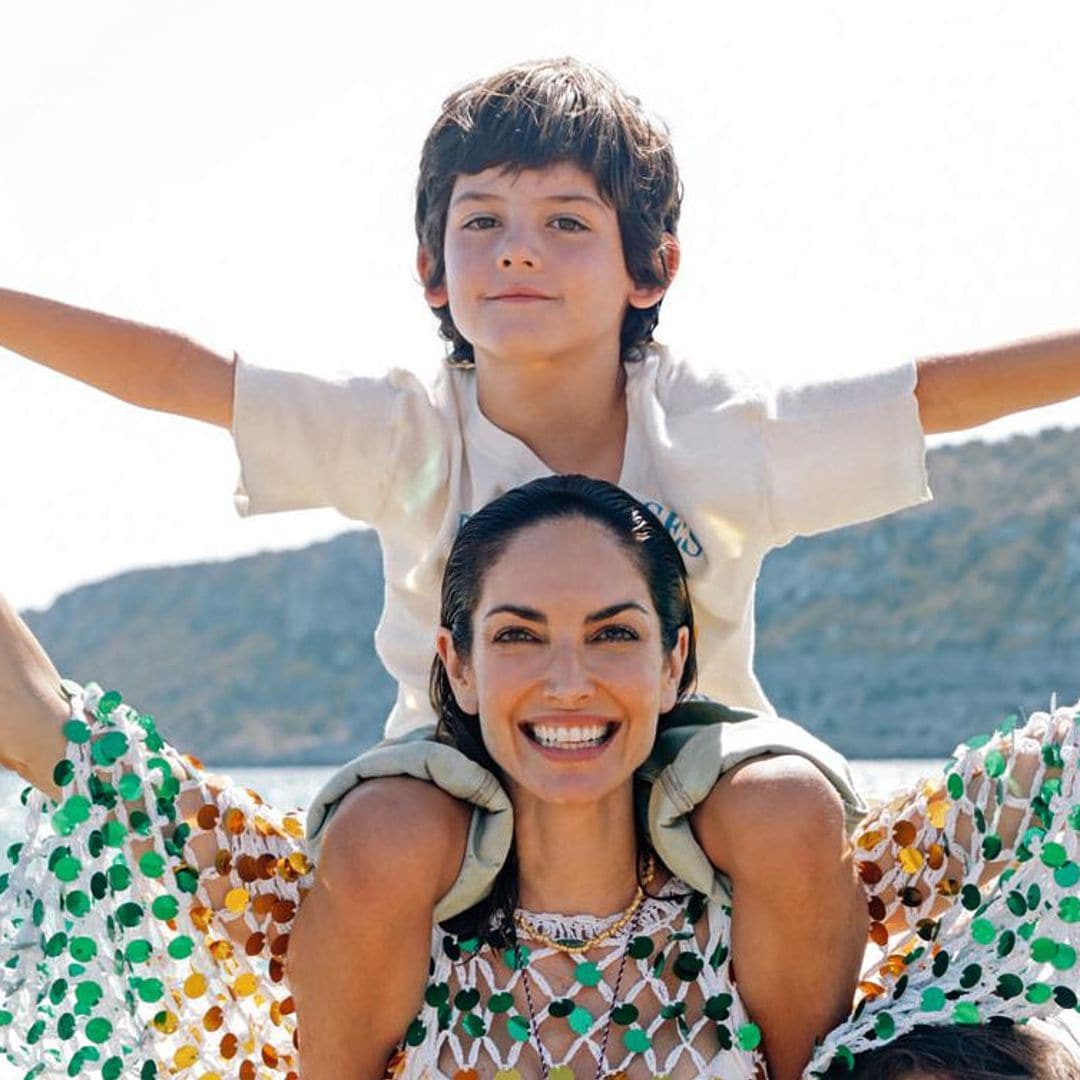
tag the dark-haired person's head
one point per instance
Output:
(541, 114)
(995, 1051)
(566, 637)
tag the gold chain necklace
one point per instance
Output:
(536, 934)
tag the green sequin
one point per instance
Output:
(718, 1007)
(933, 1000)
(636, 1040)
(580, 1020)
(181, 947)
(748, 1036)
(984, 931)
(165, 907)
(966, 1012)
(129, 914)
(473, 1025)
(138, 951)
(75, 731)
(1067, 875)
(83, 949)
(587, 973)
(152, 864)
(150, 990)
(501, 1002)
(1053, 854)
(624, 1014)
(994, 763)
(1043, 949)
(518, 1028)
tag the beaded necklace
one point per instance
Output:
(630, 918)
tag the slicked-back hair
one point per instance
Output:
(478, 546)
(544, 113)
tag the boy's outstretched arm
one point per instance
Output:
(968, 389)
(145, 365)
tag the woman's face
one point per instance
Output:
(568, 671)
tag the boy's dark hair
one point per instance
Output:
(999, 1050)
(479, 544)
(543, 113)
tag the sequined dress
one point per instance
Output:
(145, 920)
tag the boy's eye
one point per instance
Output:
(616, 633)
(569, 224)
(481, 221)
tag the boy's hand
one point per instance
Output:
(963, 391)
(144, 365)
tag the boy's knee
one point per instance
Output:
(781, 814)
(395, 833)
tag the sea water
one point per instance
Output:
(291, 786)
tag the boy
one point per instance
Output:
(547, 211)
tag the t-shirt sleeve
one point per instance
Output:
(843, 451)
(307, 441)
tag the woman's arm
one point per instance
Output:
(144, 365)
(32, 708)
(918, 852)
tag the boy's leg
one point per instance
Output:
(776, 827)
(475, 836)
(755, 806)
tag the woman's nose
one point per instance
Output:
(568, 682)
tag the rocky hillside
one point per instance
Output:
(890, 639)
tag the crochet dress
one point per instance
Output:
(145, 919)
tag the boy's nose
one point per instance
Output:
(518, 250)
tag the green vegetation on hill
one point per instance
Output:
(895, 638)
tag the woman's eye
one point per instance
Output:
(617, 633)
(483, 221)
(514, 633)
(569, 224)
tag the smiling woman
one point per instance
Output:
(159, 919)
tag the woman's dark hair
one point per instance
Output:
(999, 1050)
(543, 113)
(478, 546)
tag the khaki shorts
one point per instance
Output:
(699, 742)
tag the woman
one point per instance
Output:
(142, 900)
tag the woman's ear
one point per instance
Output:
(458, 672)
(436, 296)
(674, 663)
(666, 264)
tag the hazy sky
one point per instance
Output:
(862, 184)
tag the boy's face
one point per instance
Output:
(534, 266)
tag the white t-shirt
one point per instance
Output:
(731, 467)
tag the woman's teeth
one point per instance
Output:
(570, 737)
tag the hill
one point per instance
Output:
(889, 639)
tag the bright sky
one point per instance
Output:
(862, 183)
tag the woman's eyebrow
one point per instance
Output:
(521, 612)
(532, 615)
(615, 609)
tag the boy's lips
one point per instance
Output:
(520, 293)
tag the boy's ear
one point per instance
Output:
(666, 264)
(458, 671)
(435, 296)
(674, 663)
